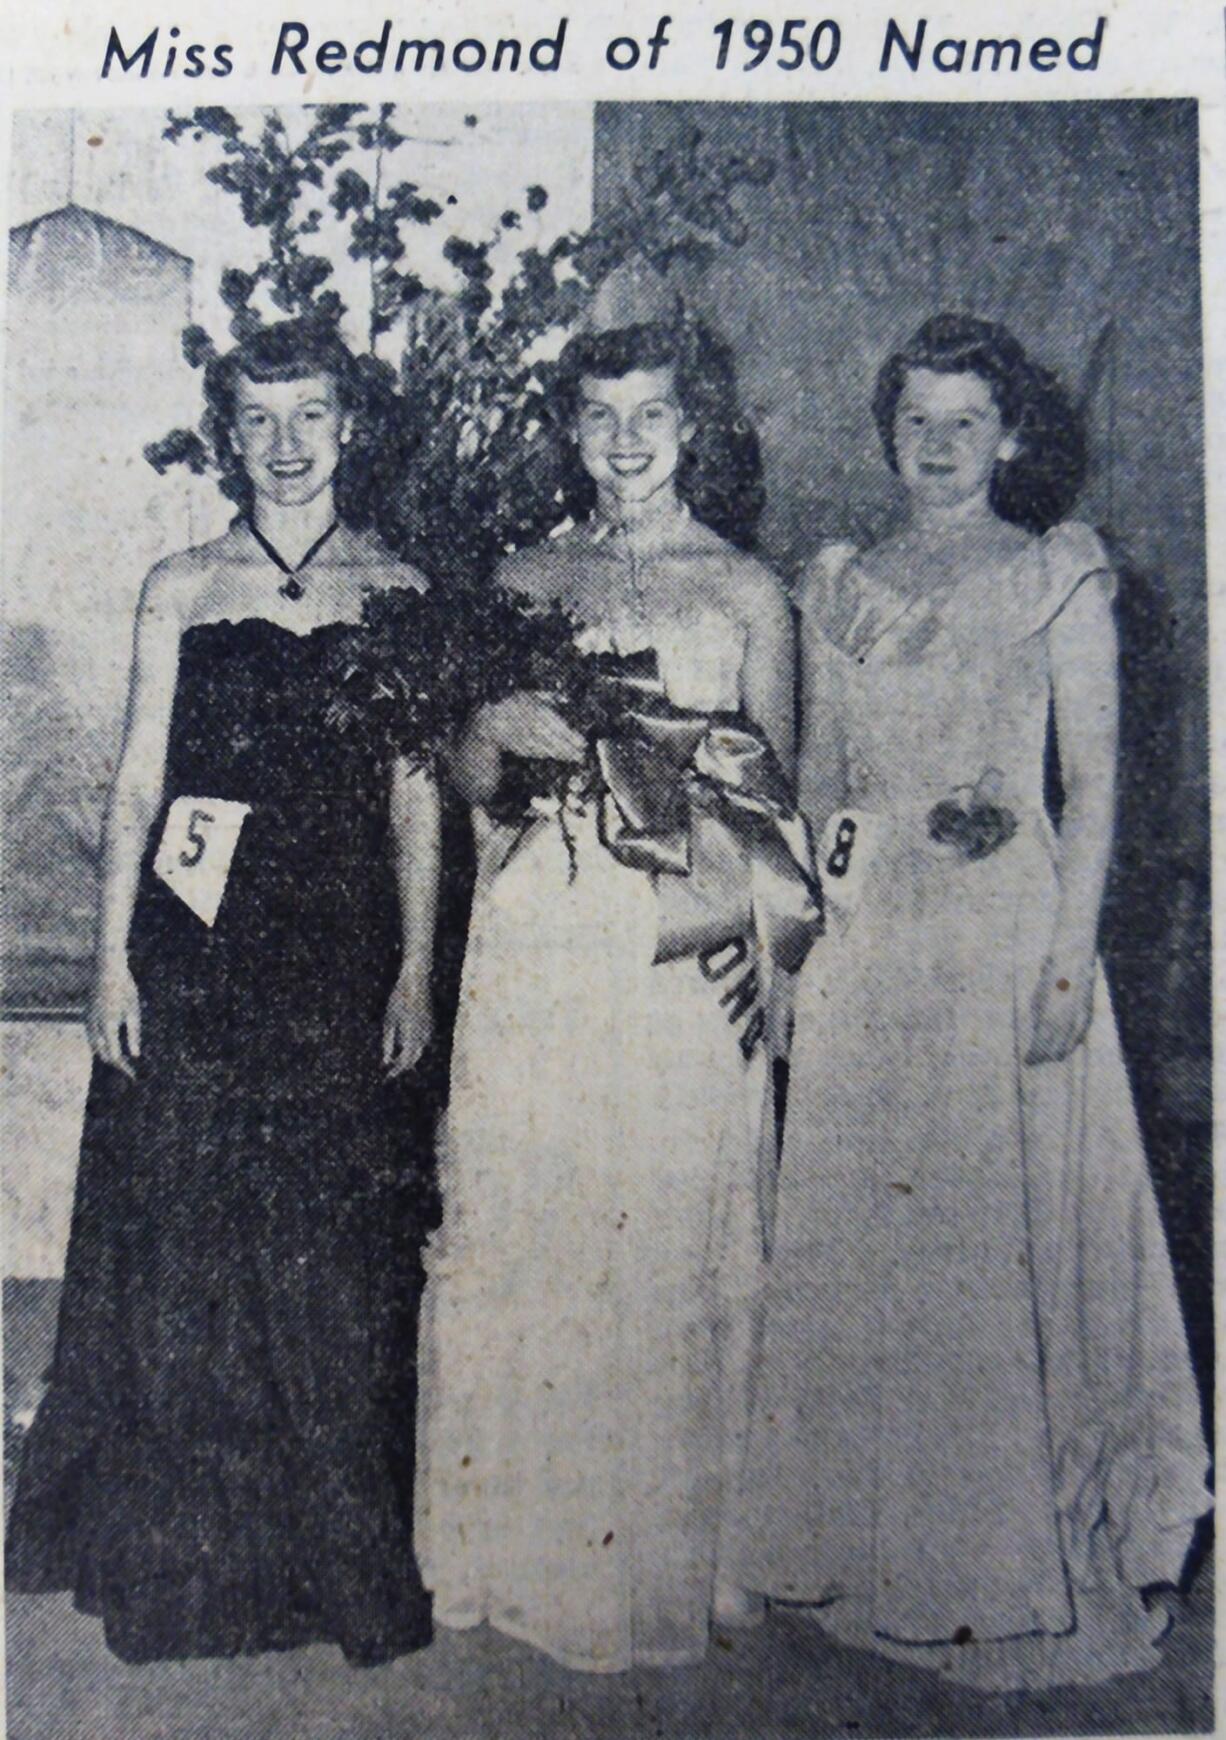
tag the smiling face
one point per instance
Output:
(948, 437)
(630, 432)
(289, 435)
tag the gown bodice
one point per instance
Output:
(249, 719)
(308, 919)
(932, 693)
(699, 653)
(613, 588)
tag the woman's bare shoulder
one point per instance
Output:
(174, 584)
(755, 593)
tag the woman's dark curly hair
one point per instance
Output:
(719, 475)
(296, 350)
(1037, 487)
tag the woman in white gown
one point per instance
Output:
(584, 1345)
(976, 1437)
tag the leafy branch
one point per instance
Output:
(269, 178)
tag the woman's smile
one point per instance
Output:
(630, 430)
(629, 464)
(948, 437)
(289, 435)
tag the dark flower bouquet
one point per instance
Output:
(979, 827)
(696, 800)
(411, 674)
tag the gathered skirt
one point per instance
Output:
(975, 1419)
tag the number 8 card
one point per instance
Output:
(849, 842)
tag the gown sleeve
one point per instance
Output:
(1072, 556)
(827, 596)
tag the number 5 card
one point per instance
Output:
(197, 849)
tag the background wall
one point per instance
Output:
(120, 241)
(1076, 223)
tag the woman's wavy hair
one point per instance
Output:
(296, 350)
(719, 475)
(1037, 487)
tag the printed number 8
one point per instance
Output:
(840, 858)
(199, 841)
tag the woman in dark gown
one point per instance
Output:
(218, 1466)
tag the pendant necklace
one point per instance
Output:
(291, 587)
(638, 562)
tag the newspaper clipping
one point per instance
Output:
(607, 774)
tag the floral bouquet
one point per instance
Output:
(411, 674)
(416, 668)
(979, 827)
(697, 801)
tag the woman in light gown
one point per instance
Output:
(583, 1365)
(975, 1421)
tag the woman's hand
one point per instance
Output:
(529, 725)
(113, 1021)
(408, 1025)
(526, 724)
(1062, 1007)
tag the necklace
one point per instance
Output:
(291, 587)
(637, 544)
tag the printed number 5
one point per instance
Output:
(787, 39)
(840, 857)
(199, 841)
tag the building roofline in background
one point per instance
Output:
(100, 217)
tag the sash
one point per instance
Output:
(699, 802)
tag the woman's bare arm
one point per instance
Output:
(524, 724)
(822, 776)
(474, 761)
(1085, 685)
(768, 679)
(113, 1023)
(415, 830)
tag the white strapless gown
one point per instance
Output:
(582, 1365)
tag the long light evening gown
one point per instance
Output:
(601, 1237)
(975, 1416)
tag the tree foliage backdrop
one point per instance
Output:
(458, 331)
(462, 468)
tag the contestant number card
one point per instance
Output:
(197, 849)
(849, 842)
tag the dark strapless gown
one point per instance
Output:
(223, 1461)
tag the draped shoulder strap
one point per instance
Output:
(1071, 555)
(831, 596)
